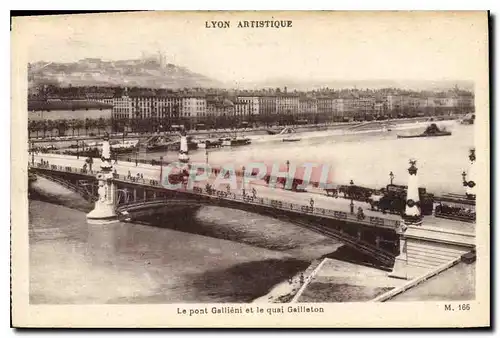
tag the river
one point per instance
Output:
(212, 254)
(351, 156)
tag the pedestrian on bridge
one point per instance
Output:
(361, 214)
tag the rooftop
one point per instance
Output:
(39, 105)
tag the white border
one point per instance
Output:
(127, 4)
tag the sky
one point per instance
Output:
(319, 45)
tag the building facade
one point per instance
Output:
(241, 110)
(287, 104)
(267, 105)
(251, 101)
(122, 107)
(308, 107)
(59, 118)
(68, 110)
(326, 107)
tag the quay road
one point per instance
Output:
(320, 199)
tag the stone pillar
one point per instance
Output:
(359, 234)
(377, 241)
(184, 150)
(184, 154)
(400, 269)
(470, 183)
(104, 209)
(135, 195)
(411, 217)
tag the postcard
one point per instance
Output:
(251, 169)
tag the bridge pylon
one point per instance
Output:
(412, 217)
(104, 209)
(184, 149)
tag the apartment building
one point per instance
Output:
(267, 105)
(194, 106)
(308, 106)
(287, 104)
(252, 103)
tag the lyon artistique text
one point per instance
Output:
(249, 24)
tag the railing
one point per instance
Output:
(85, 194)
(231, 196)
(264, 201)
(61, 168)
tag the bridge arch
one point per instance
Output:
(385, 258)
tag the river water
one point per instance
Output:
(212, 254)
(366, 157)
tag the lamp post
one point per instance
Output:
(391, 176)
(161, 168)
(351, 194)
(287, 174)
(77, 150)
(32, 153)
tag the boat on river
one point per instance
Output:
(292, 139)
(468, 119)
(126, 146)
(161, 143)
(209, 143)
(235, 141)
(431, 131)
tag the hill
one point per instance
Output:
(149, 73)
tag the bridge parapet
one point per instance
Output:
(60, 168)
(276, 204)
(248, 199)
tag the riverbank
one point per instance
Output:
(66, 141)
(338, 281)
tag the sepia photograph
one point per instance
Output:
(250, 169)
